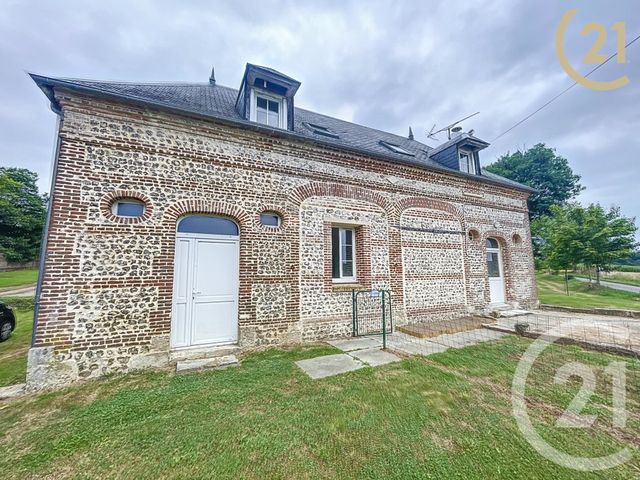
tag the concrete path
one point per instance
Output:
(362, 351)
(359, 352)
(614, 285)
(329, 365)
(427, 346)
(606, 330)
(23, 291)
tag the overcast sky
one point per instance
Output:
(387, 65)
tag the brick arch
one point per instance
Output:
(164, 262)
(425, 209)
(505, 251)
(109, 198)
(318, 189)
(421, 202)
(205, 207)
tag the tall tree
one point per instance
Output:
(592, 236)
(22, 214)
(564, 243)
(609, 237)
(539, 167)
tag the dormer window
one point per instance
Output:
(467, 162)
(268, 110)
(266, 97)
(396, 148)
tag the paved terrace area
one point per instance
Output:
(360, 352)
(604, 330)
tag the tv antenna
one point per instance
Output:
(451, 128)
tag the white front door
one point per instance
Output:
(206, 280)
(495, 272)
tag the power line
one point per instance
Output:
(561, 93)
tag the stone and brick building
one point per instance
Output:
(188, 216)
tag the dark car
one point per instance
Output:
(7, 321)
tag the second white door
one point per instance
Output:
(206, 281)
(495, 271)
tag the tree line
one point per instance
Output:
(22, 214)
(565, 233)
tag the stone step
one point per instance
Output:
(12, 391)
(499, 307)
(202, 353)
(512, 313)
(184, 366)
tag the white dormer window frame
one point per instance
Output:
(282, 108)
(467, 162)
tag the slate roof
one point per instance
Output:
(218, 102)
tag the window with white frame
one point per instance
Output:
(128, 207)
(343, 254)
(467, 162)
(269, 110)
(270, 219)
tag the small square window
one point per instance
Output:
(343, 254)
(270, 219)
(128, 208)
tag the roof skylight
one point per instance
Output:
(396, 148)
(321, 130)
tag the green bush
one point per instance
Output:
(19, 303)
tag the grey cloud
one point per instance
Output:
(381, 63)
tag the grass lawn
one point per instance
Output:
(18, 278)
(13, 352)
(551, 290)
(445, 416)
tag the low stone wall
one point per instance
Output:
(6, 266)
(594, 311)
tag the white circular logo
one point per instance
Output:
(571, 417)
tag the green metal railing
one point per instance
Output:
(374, 318)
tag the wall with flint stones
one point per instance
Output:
(106, 297)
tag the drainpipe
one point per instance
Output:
(45, 231)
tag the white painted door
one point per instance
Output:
(495, 272)
(206, 280)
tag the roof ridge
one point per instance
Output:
(118, 82)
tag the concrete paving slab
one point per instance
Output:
(375, 356)
(421, 347)
(465, 339)
(356, 343)
(329, 365)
